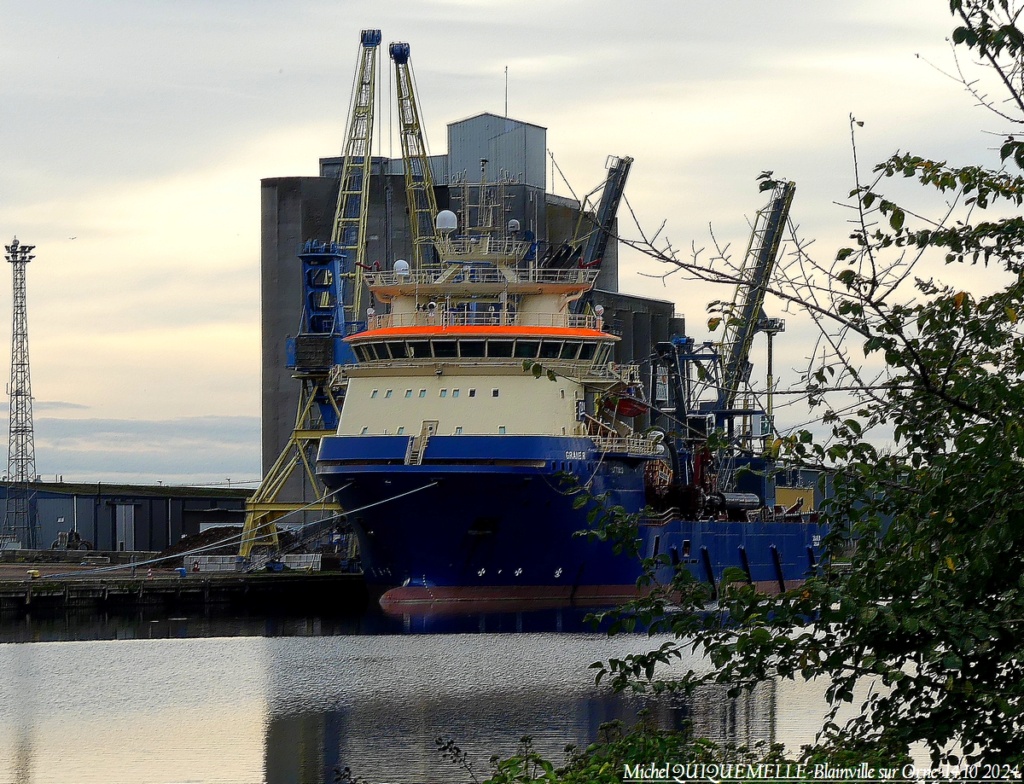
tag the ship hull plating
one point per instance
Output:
(508, 528)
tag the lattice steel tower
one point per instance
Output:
(19, 523)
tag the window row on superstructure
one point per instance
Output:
(388, 393)
(479, 348)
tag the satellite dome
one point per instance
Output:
(402, 268)
(446, 221)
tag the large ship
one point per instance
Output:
(483, 422)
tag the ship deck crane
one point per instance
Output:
(419, 181)
(604, 215)
(332, 286)
(602, 221)
(746, 316)
(691, 374)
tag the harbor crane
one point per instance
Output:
(419, 181)
(332, 285)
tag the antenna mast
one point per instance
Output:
(21, 454)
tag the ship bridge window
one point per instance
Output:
(408, 393)
(494, 393)
(455, 393)
(399, 350)
(471, 348)
(550, 349)
(472, 393)
(418, 349)
(569, 350)
(379, 351)
(499, 348)
(373, 394)
(445, 349)
(364, 354)
(444, 393)
(527, 349)
(423, 393)
(587, 351)
(388, 393)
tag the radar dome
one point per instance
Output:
(446, 221)
(402, 267)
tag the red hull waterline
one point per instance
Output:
(418, 599)
(498, 598)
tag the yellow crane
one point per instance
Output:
(332, 283)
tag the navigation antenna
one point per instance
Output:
(21, 454)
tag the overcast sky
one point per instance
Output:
(134, 134)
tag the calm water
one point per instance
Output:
(208, 700)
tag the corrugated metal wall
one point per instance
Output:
(510, 147)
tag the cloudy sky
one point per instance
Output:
(134, 134)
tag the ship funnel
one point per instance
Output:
(446, 222)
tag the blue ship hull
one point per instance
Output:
(492, 518)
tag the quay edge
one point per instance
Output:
(324, 592)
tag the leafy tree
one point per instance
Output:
(922, 594)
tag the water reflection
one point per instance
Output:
(396, 695)
(284, 700)
(152, 625)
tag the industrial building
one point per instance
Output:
(483, 147)
(115, 517)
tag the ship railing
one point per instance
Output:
(659, 519)
(623, 374)
(443, 317)
(480, 246)
(583, 370)
(481, 272)
(633, 445)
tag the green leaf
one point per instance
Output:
(896, 219)
(733, 574)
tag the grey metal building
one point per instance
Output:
(116, 517)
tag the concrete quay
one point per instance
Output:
(62, 588)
